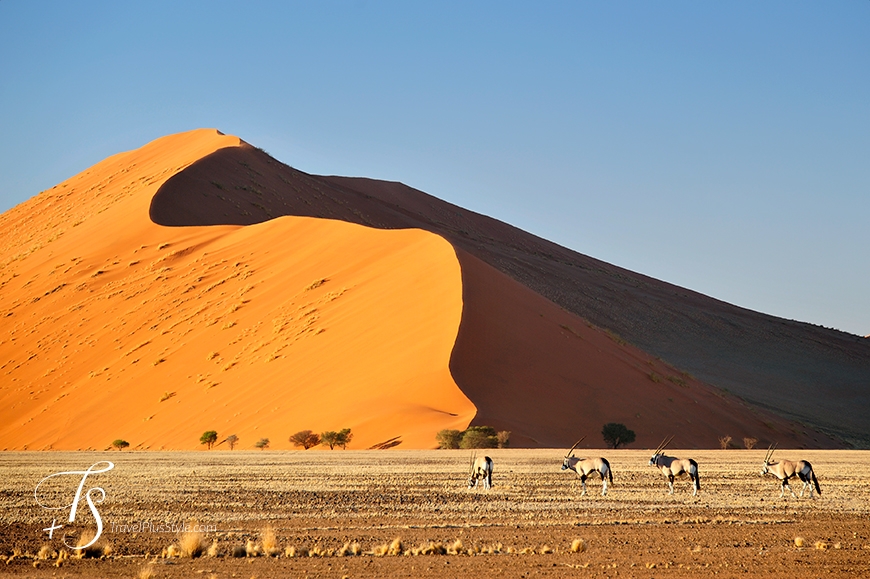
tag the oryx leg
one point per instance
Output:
(785, 485)
(671, 484)
(583, 484)
(603, 483)
(488, 481)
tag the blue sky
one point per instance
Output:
(724, 147)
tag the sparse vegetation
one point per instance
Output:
(192, 543)
(232, 441)
(208, 438)
(616, 434)
(448, 438)
(479, 437)
(749, 442)
(724, 441)
(120, 443)
(306, 439)
(269, 542)
(504, 438)
(262, 444)
(332, 439)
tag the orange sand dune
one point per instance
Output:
(115, 327)
(198, 284)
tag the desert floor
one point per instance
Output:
(319, 501)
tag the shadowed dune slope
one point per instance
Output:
(528, 365)
(117, 327)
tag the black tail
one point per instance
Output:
(697, 473)
(609, 470)
(815, 480)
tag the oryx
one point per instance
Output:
(481, 468)
(586, 466)
(786, 469)
(672, 467)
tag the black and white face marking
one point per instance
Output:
(764, 468)
(653, 459)
(565, 464)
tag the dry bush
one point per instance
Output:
(350, 550)
(578, 546)
(799, 542)
(749, 442)
(724, 441)
(396, 548)
(821, 545)
(213, 550)
(252, 549)
(192, 544)
(239, 551)
(546, 550)
(457, 548)
(146, 572)
(269, 542)
(45, 552)
(503, 437)
(90, 552)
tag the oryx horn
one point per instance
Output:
(770, 450)
(575, 446)
(664, 444)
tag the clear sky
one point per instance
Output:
(721, 146)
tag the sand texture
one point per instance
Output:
(197, 283)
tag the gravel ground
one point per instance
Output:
(321, 502)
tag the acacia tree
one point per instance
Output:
(479, 437)
(448, 438)
(332, 439)
(306, 439)
(120, 443)
(616, 434)
(232, 440)
(208, 438)
(262, 444)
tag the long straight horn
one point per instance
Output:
(770, 450)
(575, 446)
(473, 458)
(664, 444)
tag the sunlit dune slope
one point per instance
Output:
(114, 326)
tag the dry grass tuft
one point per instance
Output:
(45, 552)
(350, 550)
(457, 548)
(546, 550)
(213, 550)
(252, 549)
(239, 551)
(171, 551)
(192, 543)
(578, 546)
(396, 548)
(799, 542)
(269, 542)
(146, 572)
(92, 551)
(821, 546)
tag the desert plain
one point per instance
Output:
(339, 512)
